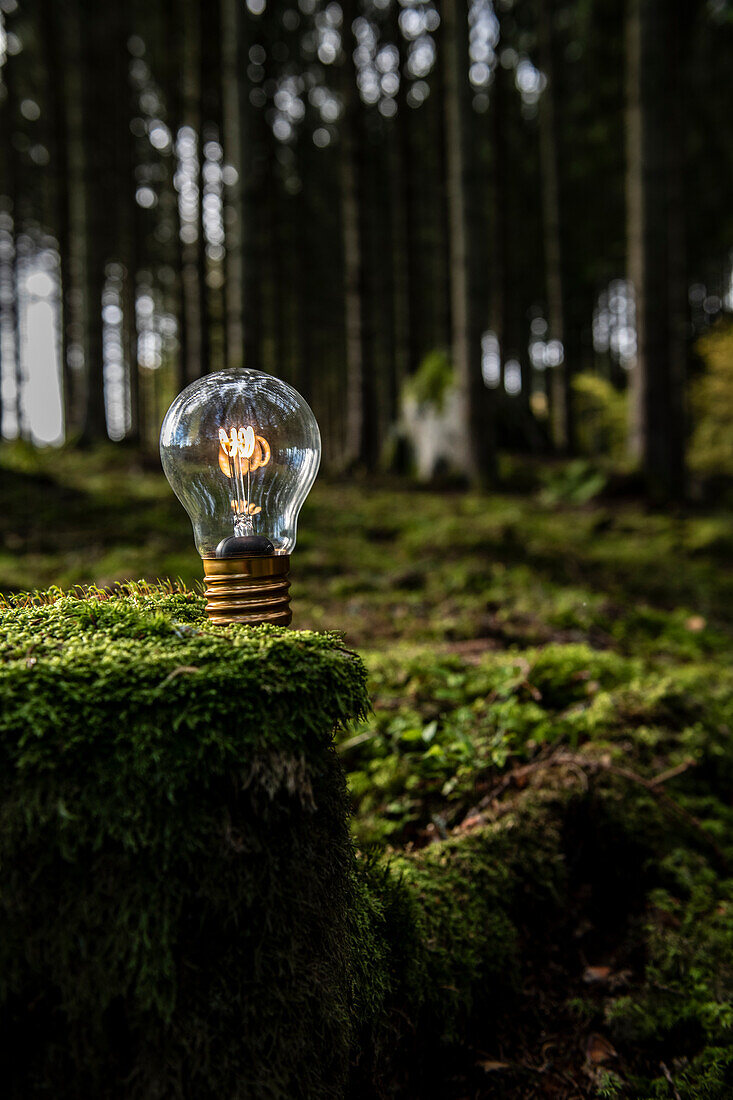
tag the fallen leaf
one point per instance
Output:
(491, 1067)
(596, 973)
(620, 979)
(696, 623)
(598, 1050)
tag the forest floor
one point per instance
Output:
(513, 642)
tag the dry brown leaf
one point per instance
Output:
(598, 1050)
(596, 973)
(491, 1067)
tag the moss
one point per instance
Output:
(176, 897)
(683, 1012)
(451, 923)
(445, 731)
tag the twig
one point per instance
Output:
(516, 775)
(672, 773)
(182, 670)
(358, 739)
(670, 1079)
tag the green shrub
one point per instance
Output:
(711, 399)
(601, 416)
(575, 482)
(176, 904)
(431, 382)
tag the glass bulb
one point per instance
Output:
(241, 450)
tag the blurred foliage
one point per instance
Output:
(711, 397)
(576, 482)
(602, 417)
(432, 380)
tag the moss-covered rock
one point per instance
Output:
(176, 900)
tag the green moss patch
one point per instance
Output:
(176, 866)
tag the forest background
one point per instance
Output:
(490, 242)
(523, 203)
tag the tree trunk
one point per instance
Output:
(405, 235)
(561, 396)
(54, 39)
(305, 271)
(98, 208)
(184, 18)
(12, 310)
(479, 457)
(252, 152)
(174, 58)
(499, 291)
(74, 401)
(445, 309)
(209, 105)
(656, 262)
(360, 419)
(234, 63)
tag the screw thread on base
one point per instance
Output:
(248, 590)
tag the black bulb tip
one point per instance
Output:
(244, 546)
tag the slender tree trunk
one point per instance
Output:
(304, 375)
(185, 34)
(405, 235)
(98, 207)
(16, 307)
(634, 207)
(208, 126)
(360, 412)
(561, 401)
(479, 455)
(445, 319)
(380, 233)
(305, 272)
(54, 39)
(499, 293)
(74, 400)
(133, 249)
(252, 151)
(130, 232)
(354, 321)
(13, 304)
(172, 26)
(402, 221)
(204, 297)
(233, 66)
(656, 241)
(398, 306)
(276, 256)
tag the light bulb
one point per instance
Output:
(241, 450)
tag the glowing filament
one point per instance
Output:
(241, 452)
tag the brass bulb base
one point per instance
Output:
(248, 590)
